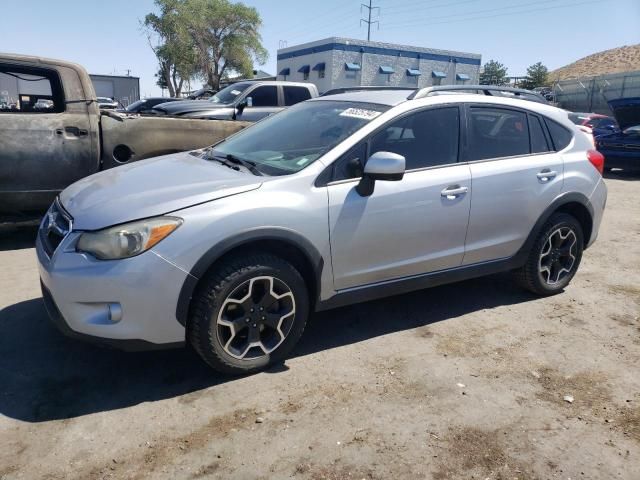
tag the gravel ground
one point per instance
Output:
(461, 381)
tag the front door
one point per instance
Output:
(406, 227)
(46, 144)
(264, 102)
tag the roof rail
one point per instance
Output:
(336, 91)
(490, 90)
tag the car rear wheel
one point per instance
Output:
(555, 256)
(248, 313)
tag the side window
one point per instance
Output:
(426, 139)
(351, 164)
(293, 95)
(266, 96)
(28, 90)
(496, 132)
(560, 135)
(539, 142)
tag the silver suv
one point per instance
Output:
(337, 200)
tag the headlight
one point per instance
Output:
(128, 240)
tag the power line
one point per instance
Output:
(457, 20)
(369, 22)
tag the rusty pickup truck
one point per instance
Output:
(52, 133)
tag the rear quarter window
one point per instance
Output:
(560, 135)
(293, 95)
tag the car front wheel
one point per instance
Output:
(555, 256)
(248, 313)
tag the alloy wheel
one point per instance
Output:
(256, 317)
(558, 255)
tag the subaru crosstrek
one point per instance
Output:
(340, 199)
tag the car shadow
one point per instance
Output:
(17, 238)
(46, 376)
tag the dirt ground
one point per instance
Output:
(457, 382)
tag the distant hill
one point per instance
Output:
(621, 59)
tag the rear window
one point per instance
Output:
(293, 95)
(30, 90)
(560, 135)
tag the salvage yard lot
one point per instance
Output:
(462, 381)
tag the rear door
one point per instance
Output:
(515, 175)
(46, 144)
(408, 227)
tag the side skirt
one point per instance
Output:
(419, 282)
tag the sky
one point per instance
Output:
(106, 38)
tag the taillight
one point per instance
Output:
(596, 159)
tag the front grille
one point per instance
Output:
(55, 226)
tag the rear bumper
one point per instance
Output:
(598, 202)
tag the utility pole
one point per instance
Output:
(370, 8)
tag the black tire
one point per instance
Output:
(204, 333)
(529, 275)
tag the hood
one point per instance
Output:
(626, 111)
(151, 187)
(187, 106)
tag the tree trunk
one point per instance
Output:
(167, 79)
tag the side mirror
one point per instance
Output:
(387, 166)
(247, 102)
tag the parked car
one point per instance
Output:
(597, 123)
(621, 149)
(202, 94)
(106, 103)
(337, 200)
(146, 105)
(248, 101)
(45, 150)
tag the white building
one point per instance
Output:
(343, 62)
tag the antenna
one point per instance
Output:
(370, 8)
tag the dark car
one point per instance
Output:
(146, 105)
(247, 101)
(621, 149)
(599, 124)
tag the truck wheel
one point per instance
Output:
(554, 257)
(248, 313)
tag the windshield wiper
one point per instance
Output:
(248, 164)
(223, 162)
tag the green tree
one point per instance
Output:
(225, 36)
(537, 76)
(169, 39)
(493, 73)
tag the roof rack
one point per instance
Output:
(336, 91)
(490, 90)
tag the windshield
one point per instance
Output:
(229, 94)
(135, 105)
(289, 141)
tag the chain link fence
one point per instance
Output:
(592, 94)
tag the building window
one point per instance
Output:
(305, 71)
(319, 67)
(437, 77)
(461, 78)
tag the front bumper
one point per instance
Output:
(129, 303)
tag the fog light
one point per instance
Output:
(115, 312)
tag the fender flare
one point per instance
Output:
(570, 197)
(216, 252)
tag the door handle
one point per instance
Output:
(453, 191)
(75, 131)
(546, 175)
